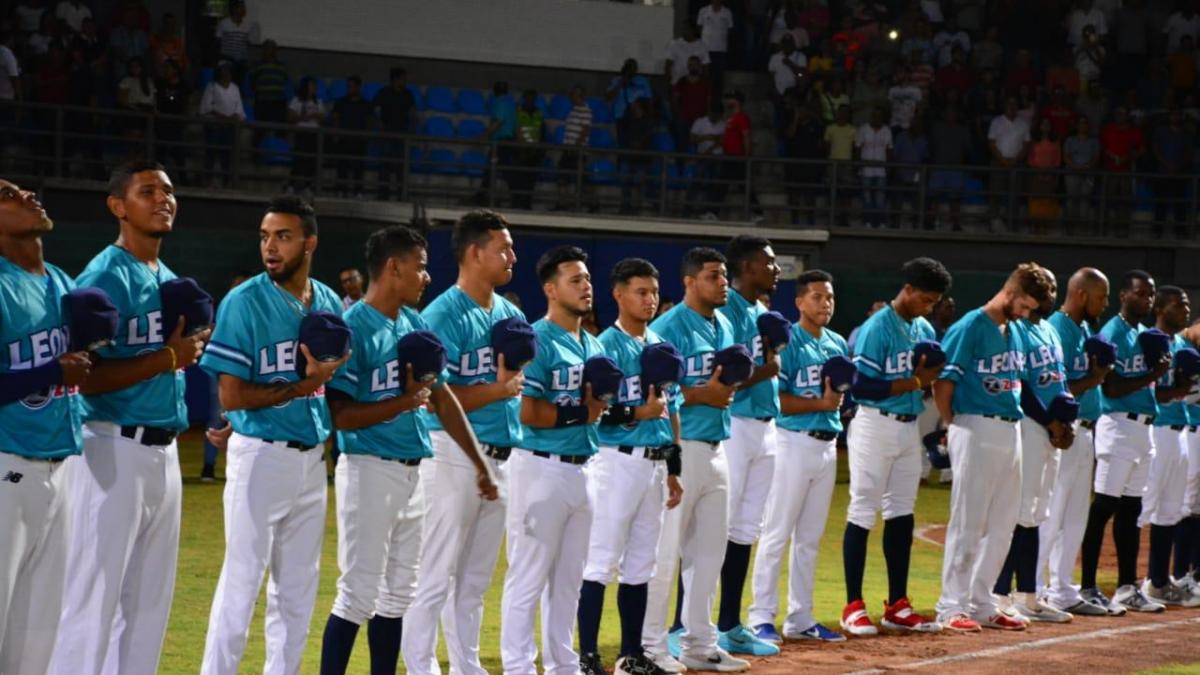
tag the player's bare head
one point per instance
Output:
(944, 311)
(21, 214)
(287, 237)
(814, 296)
(1172, 309)
(483, 246)
(1029, 288)
(751, 262)
(635, 288)
(142, 197)
(1136, 293)
(705, 279)
(351, 281)
(1087, 289)
(398, 261)
(565, 279)
(925, 281)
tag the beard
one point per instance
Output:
(288, 271)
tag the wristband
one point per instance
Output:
(674, 459)
(570, 416)
(174, 359)
(617, 415)
(920, 385)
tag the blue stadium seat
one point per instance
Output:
(474, 163)
(549, 173)
(601, 110)
(440, 127)
(206, 75)
(470, 102)
(556, 136)
(440, 99)
(371, 89)
(973, 192)
(337, 89)
(322, 88)
(471, 128)
(275, 151)
(602, 138)
(560, 106)
(663, 142)
(1143, 196)
(443, 162)
(416, 160)
(602, 172)
(420, 100)
(248, 108)
(678, 180)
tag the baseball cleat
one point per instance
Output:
(666, 662)
(767, 633)
(1029, 607)
(1133, 599)
(1002, 622)
(816, 632)
(1085, 608)
(1096, 597)
(718, 661)
(673, 646)
(901, 617)
(637, 664)
(590, 664)
(961, 623)
(1171, 594)
(739, 640)
(1006, 606)
(856, 622)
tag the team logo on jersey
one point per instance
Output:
(1048, 377)
(12, 477)
(40, 399)
(1000, 385)
(482, 360)
(145, 330)
(700, 365)
(43, 347)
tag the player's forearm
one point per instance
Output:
(790, 404)
(454, 421)
(761, 374)
(17, 384)
(472, 397)
(702, 395)
(537, 413)
(675, 427)
(109, 375)
(1169, 394)
(943, 395)
(238, 394)
(1082, 385)
(1116, 386)
(349, 414)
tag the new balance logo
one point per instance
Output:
(12, 477)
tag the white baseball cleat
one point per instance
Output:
(1132, 598)
(718, 661)
(1171, 594)
(666, 662)
(1028, 606)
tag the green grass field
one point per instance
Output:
(201, 549)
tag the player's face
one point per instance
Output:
(816, 305)
(637, 298)
(711, 285)
(412, 275)
(148, 203)
(283, 246)
(571, 288)
(918, 302)
(1095, 301)
(1177, 313)
(1019, 306)
(761, 270)
(497, 257)
(21, 214)
(351, 281)
(1138, 300)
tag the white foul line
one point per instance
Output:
(921, 534)
(1035, 644)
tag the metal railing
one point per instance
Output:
(39, 140)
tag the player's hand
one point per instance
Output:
(595, 406)
(488, 489)
(187, 348)
(674, 492)
(76, 367)
(318, 373)
(832, 399)
(1097, 372)
(219, 437)
(771, 365)
(1163, 365)
(719, 394)
(416, 394)
(511, 381)
(927, 374)
(655, 406)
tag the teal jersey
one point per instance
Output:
(1176, 412)
(1047, 373)
(133, 287)
(800, 375)
(883, 350)
(465, 329)
(45, 424)
(1130, 363)
(556, 375)
(373, 374)
(256, 339)
(762, 399)
(987, 366)
(626, 350)
(697, 339)
(1075, 359)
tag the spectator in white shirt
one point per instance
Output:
(1008, 142)
(786, 22)
(787, 65)
(904, 98)
(706, 138)
(306, 110)
(873, 143)
(577, 130)
(715, 21)
(1183, 21)
(222, 100)
(1083, 15)
(72, 13)
(683, 48)
(947, 39)
(236, 33)
(28, 14)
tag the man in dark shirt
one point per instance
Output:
(172, 99)
(804, 139)
(950, 145)
(352, 113)
(397, 108)
(1172, 146)
(636, 132)
(268, 81)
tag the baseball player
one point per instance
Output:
(275, 481)
(126, 486)
(884, 447)
(462, 532)
(696, 531)
(1061, 534)
(805, 467)
(635, 473)
(374, 402)
(750, 451)
(978, 394)
(550, 513)
(40, 426)
(1187, 533)
(1042, 436)
(1123, 445)
(1162, 504)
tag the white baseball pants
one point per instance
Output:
(1191, 496)
(1039, 471)
(1061, 536)
(1123, 448)
(750, 455)
(1162, 503)
(885, 467)
(628, 495)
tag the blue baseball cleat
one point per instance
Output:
(673, 645)
(739, 640)
(767, 633)
(818, 632)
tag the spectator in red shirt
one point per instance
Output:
(690, 98)
(955, 75)
(1021, 72)
(1061, 113)
(735, 143)
(1121, 144)
(850, 40)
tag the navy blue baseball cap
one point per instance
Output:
(1064, 408)
(1154, 344)
(933, 442)
(425, 352)
(1099, 348)
(662, 366)
(183, 297)
(1187, 360)
(514, 338)
(841, 372)
(605, 377)
(775, 329)
(326, 335)
(736, 364)
(91, 318)
(931, 350)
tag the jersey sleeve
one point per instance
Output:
(871, 351)
(231, 348)
(537, 374)
(117, 290)
(448, 331)
(957, 345)
(346, 378)
(788, 364)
